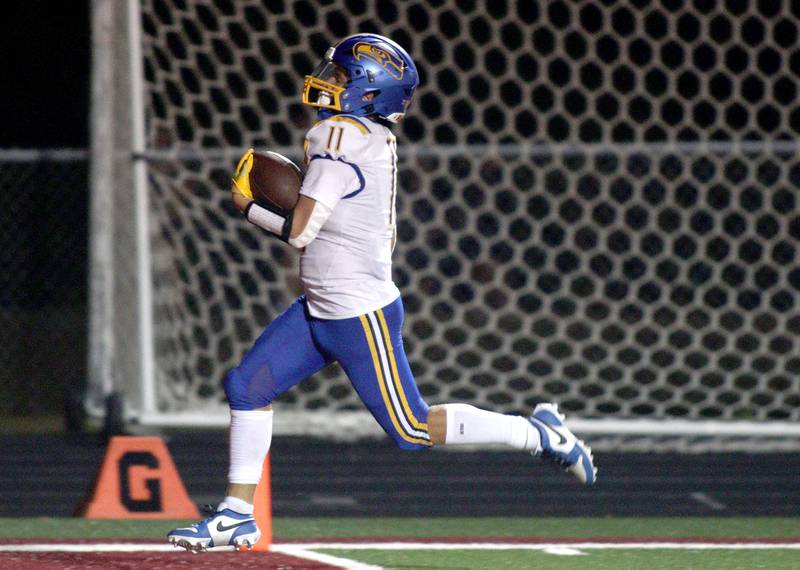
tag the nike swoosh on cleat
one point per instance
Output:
(223, 528)
(561, 436)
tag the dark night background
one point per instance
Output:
(44, 254)
(45, 94)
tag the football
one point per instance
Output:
(275, 180)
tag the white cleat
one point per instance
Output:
(223, 528)
(560, 445)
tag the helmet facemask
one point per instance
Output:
(324, 87)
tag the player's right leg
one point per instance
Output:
(366, 350)
(281, 357)
(370, 349)
(544, 434)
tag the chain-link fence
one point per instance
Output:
(597, 206)
(221, 73)
(629, 284)
(43, 282)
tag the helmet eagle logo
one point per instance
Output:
(387, 61)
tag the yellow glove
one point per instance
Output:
(241, 178)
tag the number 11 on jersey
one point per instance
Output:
(335, 135)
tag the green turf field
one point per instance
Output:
(413, 527)
(551, 545)
(515, 559)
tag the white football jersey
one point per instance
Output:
(346, 270)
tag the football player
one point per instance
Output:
(351, 311)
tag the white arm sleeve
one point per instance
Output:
(319, 214)
(265, 219)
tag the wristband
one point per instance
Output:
(278, 222)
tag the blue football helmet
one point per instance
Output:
(356, 67)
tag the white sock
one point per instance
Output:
(468, 424)
(250, 438)
(237, 505)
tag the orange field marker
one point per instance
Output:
(138, 480)
(262, 504)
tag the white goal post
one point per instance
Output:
(556, 241)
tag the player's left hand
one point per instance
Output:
(241, 178)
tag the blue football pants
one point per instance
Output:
(369, 349)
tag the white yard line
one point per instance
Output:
(300, 551)
(552, 546)
(307, 550)
(563, 551)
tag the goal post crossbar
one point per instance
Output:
(361, 424)
(503, 150)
